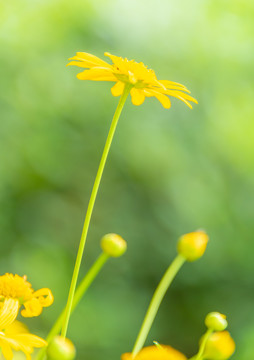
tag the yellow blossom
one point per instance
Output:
(13, 334)
(19, 289)
(142, 80)
(162, 352)
(220, 346)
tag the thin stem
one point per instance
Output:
(201, 350)
(156, 301)
(82, 288)
(90, 208)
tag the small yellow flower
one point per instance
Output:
(162, 352)
(19, 289)
(13, 334)
(142, 80)
(220, 346)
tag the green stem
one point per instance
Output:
(156, 301)
(201, 350)
(82, 288)
(90, 208)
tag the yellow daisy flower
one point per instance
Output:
(142, 80)
(13, 334)
(19, 289)
(162, 352)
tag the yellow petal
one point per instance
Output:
(168, 84)
(177, 87)
(89, 60)
(20, 342)
(16, 327)
(181, 95)
(159, 84)
(32, 308)
(115, 59)
(137, 96)
(163, 99)
(28, 356)
(30, 340)
(77, 63)
(173, 93)
(44, 296)
(6, 350)
(117, 89)
(8, 312)
(97, 74)
(11, 341)
(185, 101)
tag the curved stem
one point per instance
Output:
(90, 208)
(201, 350)
(156, 301)
(82, 288)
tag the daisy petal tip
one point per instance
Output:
(112, 92)
(135, 103)
(72, 58)
(75, 63)
(166, 105)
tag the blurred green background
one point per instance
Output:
(169, 171)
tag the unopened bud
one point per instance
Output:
(219, 346)
(113, 245)
(192, 245)
(216, 321)
(61, 348)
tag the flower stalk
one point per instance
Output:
(156, 301)
(84, 285)
(90, 208)
(199, 355)
(81, 290)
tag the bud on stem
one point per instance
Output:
(61, 348)
(113, 245)
(192, 245)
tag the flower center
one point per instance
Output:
(131, 79)
(15, 286)
(131, 72)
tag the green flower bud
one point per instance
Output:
(113, 245)
(216, 321)
(61, 348)
(192, 245)
(219, 346)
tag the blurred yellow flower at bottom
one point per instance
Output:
(13, 334)
(162, 352)
(220, 346)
